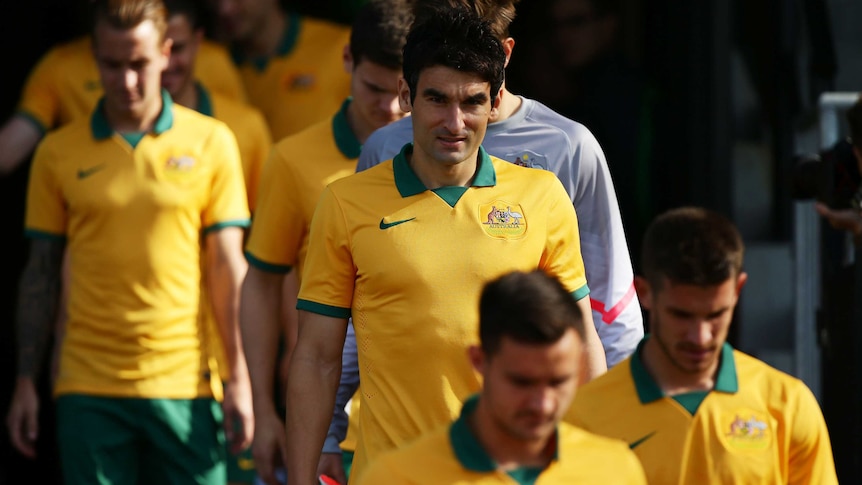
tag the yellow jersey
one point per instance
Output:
(757, 426)
(133, 214)
(408, 265)
(304, 82)
(453, 455)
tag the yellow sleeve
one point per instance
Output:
(40, 98)
(329, 273)
(562, 255)
(810, 458)
(279, 225)
(215, 70)
(46, 207)
(227, 204)
(255, 157)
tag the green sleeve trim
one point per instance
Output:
(34, 121)
(268, 267)
(581, 292)
(319, 308)
(37, 234)
(230, 223)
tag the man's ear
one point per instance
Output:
(740, 282)
(347, 59)
(508, 45)
(496, 105)
(477, 358)
(644, 291)
(404, 96)
(166, 51)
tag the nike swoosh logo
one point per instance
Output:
(387, 225)
(84, 173)
(634, 444)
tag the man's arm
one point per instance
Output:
(596, 363)
(18, 137)
(314, 374)
(37, 304)
(331, 463)
(259, 312)
(225, 269)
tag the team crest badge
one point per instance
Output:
(180, 164)
(528, 158)
(746, 430)
(502, 219)
(300, 81)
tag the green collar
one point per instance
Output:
(289, 38)
(103, 130)
(205, 103)
(648, 391)
(470, 453)
(408, 183)
(345, 140)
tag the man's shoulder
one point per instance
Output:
(756, 375)
(385, 142)
(314, 30)
(577, 441)
(312, 142)
(427, 457)
(617, 380)
(227, 109)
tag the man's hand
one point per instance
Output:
(23, 418)
(332, 465)
(842, 219)
(238, 414)
(270, 446)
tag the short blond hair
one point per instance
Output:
(128, 14)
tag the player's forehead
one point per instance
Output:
(545, 360)
(452, 82)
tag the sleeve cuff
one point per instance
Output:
(230, 223)
(37, 234)
(321, 309)
(36, 122)
(581, 293)
(267, 267)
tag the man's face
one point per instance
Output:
(375, 93)
(184, 47)
(241, 20)
(689, 323)
(528, 387)
(130, 64)
(580, 34)
(450, 113)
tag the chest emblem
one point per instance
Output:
(528, 158)
(300, 81)
(746, 430)
(503, 219)
(180, 164)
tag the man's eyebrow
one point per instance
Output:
(478, 98)
(433, 93)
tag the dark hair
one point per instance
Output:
(379, 32)
(854, 119)
(531, 308)
(455, 38)
(498, 13)
(691, 246)
(190, 9)
(128, 14)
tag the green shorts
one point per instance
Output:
(108, 440)
(240, 468)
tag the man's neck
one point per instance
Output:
(507, 451)
(435, 175)
(265, 41)
(509, 104)
(126, 123)
(188, 96)
(361, 130)
(671, 379)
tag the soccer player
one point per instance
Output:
(65, 86)
(133, 192)
(529, 355)
(404, 248)
(290, 64)
(527, 133)
(246, 123)
(692, 408)
(300, 167)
